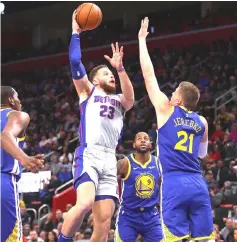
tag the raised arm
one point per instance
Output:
(80, 79)
(159, 100)
(16, 124)
(122, 168)
(127, 96)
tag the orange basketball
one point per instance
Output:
(89, 16)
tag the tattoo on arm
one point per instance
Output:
(120, 164)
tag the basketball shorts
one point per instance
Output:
(11, 226)
(130, 224)
(99, 165)
(185, 207)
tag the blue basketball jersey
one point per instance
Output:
(140, 188)
(8, 163)
(178, 141)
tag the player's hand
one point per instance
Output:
(75, 26)
(144, 27)
(32, 163)
(117, 59)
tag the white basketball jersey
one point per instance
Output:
(101, 119)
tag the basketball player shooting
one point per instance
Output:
(182, 138)
(95, 171)
(13, 158)
(138, 213)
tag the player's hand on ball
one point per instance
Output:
(144, 27)
(117, 59)
(75, 27)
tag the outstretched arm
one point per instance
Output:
(80, 79)
(159, 100)
(127, 96)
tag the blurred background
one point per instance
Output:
(195, 41)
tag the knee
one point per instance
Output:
(106, 225)
(84, 206)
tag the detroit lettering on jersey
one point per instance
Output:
(107, 100)
(187, 122)
(101, 119)
(107, 111)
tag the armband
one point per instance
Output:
(202, 152)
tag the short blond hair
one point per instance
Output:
(190, 95)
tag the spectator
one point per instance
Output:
(64, 174)
(54, 183)
(222, 173)
(218, 134)
(59, 217)
(216, 196)
(48, 224)
(232, 237)
(55, 164)
(210, 179)
(25, 217)
(26, 230)
(36, 227)
(52, 237)
(227, 229)
(34, 237)
(43, 235)
(234, 218)
(87, 234)
(233, 133)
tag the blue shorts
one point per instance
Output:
(185, 207)
(11, 226)
(130, 224)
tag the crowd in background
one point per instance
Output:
(187, 18)
(51, 100)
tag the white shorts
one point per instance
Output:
(98, 164)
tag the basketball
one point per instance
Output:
(89, 16)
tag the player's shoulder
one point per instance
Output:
(19, 115)
(203, 119)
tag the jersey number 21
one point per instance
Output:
(186, 142)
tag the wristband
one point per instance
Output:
(121, 70)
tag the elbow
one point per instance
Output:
(129, 103)
(74, 59)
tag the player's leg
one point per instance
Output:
(124, 230)
(201, 219)
(152, 231)
(11, 228)
(85, 182)
(103, 210)
(173, 208)
(106, 196)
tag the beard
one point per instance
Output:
(108, 89)
(142, 150)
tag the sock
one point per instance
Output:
(63, 238)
